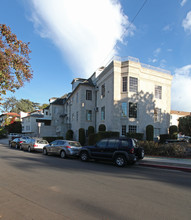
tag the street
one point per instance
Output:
(34, 186)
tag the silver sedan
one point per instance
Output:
(64, 148)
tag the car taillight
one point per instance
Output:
(35, 145)
(68, 147)
(132, 151)
(20, 142)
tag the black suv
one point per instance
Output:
(119, 150)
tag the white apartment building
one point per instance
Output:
(175, 115)
(126, 96)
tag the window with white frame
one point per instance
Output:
(89, 115)
(132, 129)
(132, 110)
(88, 95)
(103, 113)
(133, 84)
(124, 109)
(158, 92)
(103, 90)
(157, 115)
(124, 130)
(124, 84)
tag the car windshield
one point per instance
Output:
(74, 144)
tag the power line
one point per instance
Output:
(130, 23)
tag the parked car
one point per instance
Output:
(118, 150)
(16, 142)
(64, 148)
(34, 144)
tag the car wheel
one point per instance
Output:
(17, 146)
(63, 154)
(45, 151)
(29, 149)
(84, 156)
(120, 161)
(141, 153)
(20, 147)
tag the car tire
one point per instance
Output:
(84, 156)
(29, 149)
(63, 154)
(120, 160)
(44, 151)
(20, 147)
(141, 153)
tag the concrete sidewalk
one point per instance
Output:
(167, 163)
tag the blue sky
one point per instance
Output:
(72, 38)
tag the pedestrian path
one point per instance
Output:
(168, 163)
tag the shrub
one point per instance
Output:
(149, 133)
(90, 130)
(102, 127)
(3, 132)
(138, 136)
(164, 137)
(82, 136)
(173, 131)
(69, 135)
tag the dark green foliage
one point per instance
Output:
(185, 125)
(90, 130)
(15, 127)
(164, 137)
(3, 132)
(149, 133)
(82, 136)
(50, 139)
(69, 135)
(173, 131)
(94, 138)
(138, 136)
(102, 127)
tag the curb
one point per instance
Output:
(185, 169)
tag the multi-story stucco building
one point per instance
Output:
(175, 115)
(126, 96)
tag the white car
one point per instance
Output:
(34, 144)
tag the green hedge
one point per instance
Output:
(164, 137)
(82, 137)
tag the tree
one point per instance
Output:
(102, 127)
(149, 133)
(173, 131)
(82, 136)
(185, 125)
(15, 68)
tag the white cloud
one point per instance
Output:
(85, 31)
(183, 2)
(187, 22)
(181, 89)
(156, 52)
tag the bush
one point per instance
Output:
(164, 137)
(102, 127)
(82, 136)
(90, 130)
(173, 131)
(138, 136)
(3, 132)
(69, 135)
(50, 139)
(149, 133)
(15, 127)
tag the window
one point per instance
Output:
(103, 90)
(132, 129)
(124, 109)
(113, 143)
(158, 92)
(103, 113)
(89, 115)
(132, 110)
(123, 130)
(124, 143)
(157, 114)
(102, 143)
(133, 84)
(88, 95)
(124, 86)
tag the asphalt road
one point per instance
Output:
(38, 187)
